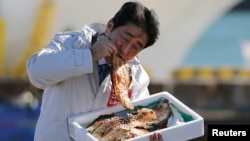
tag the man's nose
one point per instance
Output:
(125, 49)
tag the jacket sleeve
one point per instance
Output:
(61, 59)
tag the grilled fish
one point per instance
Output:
(121, 79)
(139, 121)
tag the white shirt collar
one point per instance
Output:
(102, 61)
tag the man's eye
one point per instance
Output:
(136, 48)
(125, 39)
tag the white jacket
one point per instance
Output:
(65, 71)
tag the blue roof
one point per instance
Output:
(220, 45)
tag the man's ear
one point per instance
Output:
(109, 26)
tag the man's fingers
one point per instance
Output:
(159, 136)
(156, 136)
(151, 138)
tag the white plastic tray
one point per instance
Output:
(193, 126)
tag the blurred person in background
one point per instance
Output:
(67, 68)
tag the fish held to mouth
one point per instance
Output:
(121, 80)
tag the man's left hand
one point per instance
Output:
(156, 136)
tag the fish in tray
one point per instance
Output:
(131, 123)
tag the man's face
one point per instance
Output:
(129, 40)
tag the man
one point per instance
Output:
(67, 68)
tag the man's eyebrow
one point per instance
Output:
(131, 35)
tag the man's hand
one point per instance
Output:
(156, 136)
(102, 47)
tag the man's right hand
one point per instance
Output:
(102, 47)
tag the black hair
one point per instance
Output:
(141, 16)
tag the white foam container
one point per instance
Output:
(179, 132)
